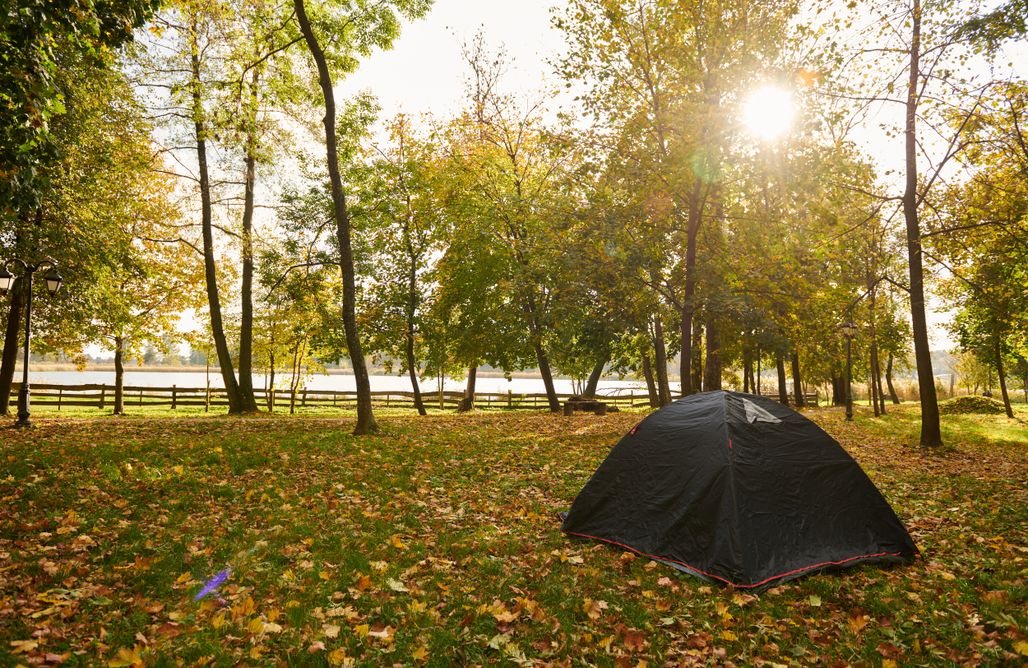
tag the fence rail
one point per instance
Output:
(101, 396)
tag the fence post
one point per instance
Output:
(60, 395)
(271, 406)
(303, 400)
(174, 397)
(140, 397)
(510, 399)
(103, 396)
(387, 401)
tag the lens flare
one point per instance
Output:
(768, 112)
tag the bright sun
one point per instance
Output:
(768, 112)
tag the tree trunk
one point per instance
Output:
(119, 376)
(412, 368)
(660, 362)
(872, 388)
(877, 368)
(365, 416)
(544, 370)
(271, 378)
(1001, 374)
(10, 355)
(797, 381)
(688, 308)
(838, 390)
(783, 389)
(931, 434)
(697, 357)
(756, 378)
(747, 370)
(594, 378)
(712, 365)
(210, 271)
(651, 386)
(468, 403)
(246, 394)
(888, 380)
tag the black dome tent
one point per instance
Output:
(737, 489)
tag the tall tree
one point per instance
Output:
(353, 30)
(923, 49)
(660, 78)
(396, 202)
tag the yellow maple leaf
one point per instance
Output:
(126, 657)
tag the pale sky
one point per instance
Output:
(424, 72)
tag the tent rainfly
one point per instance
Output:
(740, 490)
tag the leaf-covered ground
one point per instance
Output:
(436, 542)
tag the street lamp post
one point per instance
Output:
(53, 284)
(849, 330)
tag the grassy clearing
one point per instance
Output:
(436, 542)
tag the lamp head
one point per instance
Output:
(53, 281)
(848, 329)
(6, 281)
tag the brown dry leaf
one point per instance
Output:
(330, 630)
(635, 640)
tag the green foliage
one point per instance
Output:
(39, 41)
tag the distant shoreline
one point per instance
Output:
(39, 367)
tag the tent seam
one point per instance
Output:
(729, 582)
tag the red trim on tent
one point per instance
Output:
(729, 582)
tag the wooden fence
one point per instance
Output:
(100, 396)
(45, 395)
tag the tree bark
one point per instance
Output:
(931, 434)
(544, 370)
(1001, 374)
(660, 362)
(712, 365)
(594, 379)
(888, 380)
(877, 370)
(10, 355)
(747, 370)
(651, 386)
(797, 381)
(695, 219)
(210, 271)
(119, 376)
(838, 390)
(783, 387)
(366, 423)
(247, 398)
(697, 357)
(412, 368)
(271, 377)
(468, 403)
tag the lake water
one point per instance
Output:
(334, 381)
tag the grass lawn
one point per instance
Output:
(436, 542)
